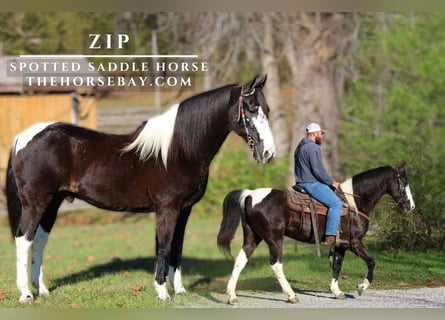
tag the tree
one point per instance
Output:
(393, 111)
(264, 28)
(319, 47)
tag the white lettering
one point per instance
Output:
(93, 44)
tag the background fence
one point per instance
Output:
(17, 112)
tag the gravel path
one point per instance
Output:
(412, 298)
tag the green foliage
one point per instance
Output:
(50, 33)
(394, 112)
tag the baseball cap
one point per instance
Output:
(314, 127)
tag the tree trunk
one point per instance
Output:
(321, 54)
(272, 89)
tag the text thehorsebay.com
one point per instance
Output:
(148, 73)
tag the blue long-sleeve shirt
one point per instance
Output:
(308, 163)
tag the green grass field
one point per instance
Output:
(110, 262)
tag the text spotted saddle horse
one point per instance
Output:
(311, 210)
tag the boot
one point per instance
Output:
(330, 240)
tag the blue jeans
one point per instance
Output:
(323, 193)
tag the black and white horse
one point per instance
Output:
(162, 166)
(265, 215)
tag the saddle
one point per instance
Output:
(299, 200)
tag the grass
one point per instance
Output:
(109, 263)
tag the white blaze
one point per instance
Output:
(410, 197)
(261, 123)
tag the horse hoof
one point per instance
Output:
(233, 302)
(43, 292)
(341, 296)
(164, 299)
(180, 291)
(292, 299)
(26, 299)
(360, 290)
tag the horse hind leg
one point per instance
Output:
(26, 248)
(285, 286)
(24, 238)
(250, 243)
(22, 242)
(238, 266)
(23, 248)
(277, 267)
(39, 243)
(37, 279)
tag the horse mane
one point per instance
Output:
(197, 117)
(155, 137)
(373, 176)
(370, 185)
(182, 128)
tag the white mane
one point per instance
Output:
(156, 136)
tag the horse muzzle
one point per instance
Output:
(265, 155)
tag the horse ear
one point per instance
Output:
(400, 166)
(252, 83)
(261, 82)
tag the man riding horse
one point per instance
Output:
(311, 175)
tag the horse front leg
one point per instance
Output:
(339, 254)
(174, 269)
(359, 249)
(165, 226)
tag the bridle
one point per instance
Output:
(401, 187)
(251, 142)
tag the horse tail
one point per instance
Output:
(12, 198)
(233, 212)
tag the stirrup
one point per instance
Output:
(339, 241)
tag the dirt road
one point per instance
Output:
(412, 298)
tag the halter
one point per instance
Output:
(251, 142)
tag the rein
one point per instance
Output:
(241, 115)
(342, 193)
